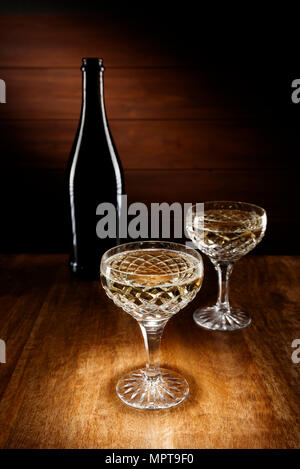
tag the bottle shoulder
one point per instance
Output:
(92, 140)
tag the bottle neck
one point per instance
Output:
(92, 90)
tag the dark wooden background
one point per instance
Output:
(187, 127)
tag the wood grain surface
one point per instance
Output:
(59, 40)
(130, 93)
(150, 144)
(67, 344)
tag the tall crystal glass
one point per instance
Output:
(152, 281)
(225, 231)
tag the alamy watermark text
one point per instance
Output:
(2, 351)
(137, 221)
(2, 91)
(296, 353)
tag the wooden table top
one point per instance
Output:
(67, 345)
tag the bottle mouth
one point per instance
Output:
(92, 62)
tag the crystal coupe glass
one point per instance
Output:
(225, 231)
(152, 281)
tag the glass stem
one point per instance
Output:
(152, 337)
(224, 270)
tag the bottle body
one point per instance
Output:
(94, 175)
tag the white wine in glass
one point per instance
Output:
(152, 281)
(225, 232)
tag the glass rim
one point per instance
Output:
(198, 256)
(249, 204)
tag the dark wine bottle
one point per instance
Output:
(94, 175)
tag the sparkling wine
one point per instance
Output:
(150, 284)
(152, 280)
(226, 234)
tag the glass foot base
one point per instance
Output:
(165, 390)
(219, 320)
